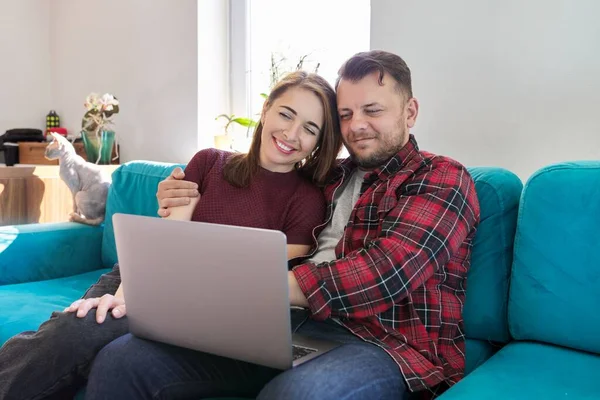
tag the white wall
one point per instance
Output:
(146, 54)
(512, 83)
(24, 64)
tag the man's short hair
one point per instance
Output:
(365, 63)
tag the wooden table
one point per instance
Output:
(32, 193)
(33, 153)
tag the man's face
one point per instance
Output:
(375, 119)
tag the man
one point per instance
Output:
(387, 278)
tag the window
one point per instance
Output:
(271, 37)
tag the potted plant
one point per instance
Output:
(224, 141)
(98, 141)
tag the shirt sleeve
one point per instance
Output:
(419, 235)
(197, 168)
(306, 212)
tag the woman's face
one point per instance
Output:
(291, 128)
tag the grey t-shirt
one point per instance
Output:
(343, 203)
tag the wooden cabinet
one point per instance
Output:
(35, 194)
(32, 153)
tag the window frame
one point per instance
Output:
(239, 57)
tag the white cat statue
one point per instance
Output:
(87, 182)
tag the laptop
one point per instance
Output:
(218, 289)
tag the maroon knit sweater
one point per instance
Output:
(280, 201)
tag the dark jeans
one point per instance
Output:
(54, 360)
(134, 368)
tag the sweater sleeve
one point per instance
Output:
(306, 212)
(196, 169)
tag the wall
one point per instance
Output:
(514, 83)
(24, 69)
(144, 53)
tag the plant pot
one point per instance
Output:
(223, 142)
(98, 149)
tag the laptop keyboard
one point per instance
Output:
(299, 351)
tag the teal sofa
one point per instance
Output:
(554, 297)
(45, 267)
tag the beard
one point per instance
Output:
(389, 145)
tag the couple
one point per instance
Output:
(384, 275)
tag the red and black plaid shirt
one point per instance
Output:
(400, 274)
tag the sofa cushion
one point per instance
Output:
(35, 252)
(526, 370)
(26, 305)
(554, 294)
(478, 352)
(485, 310)
(133, 191)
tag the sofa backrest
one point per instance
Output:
(555, 283)
(133, 191)
(485, 309)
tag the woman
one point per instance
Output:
(293, 150)
(297, 138)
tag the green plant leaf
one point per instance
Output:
(264, 96)
(227, 117)
(247, 122)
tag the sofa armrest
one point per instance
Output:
(36, 252)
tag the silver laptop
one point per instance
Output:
(214, 288)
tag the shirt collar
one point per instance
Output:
(393, 165)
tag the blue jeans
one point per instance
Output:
(134, 368)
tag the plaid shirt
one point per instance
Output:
(399, 278)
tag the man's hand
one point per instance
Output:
(297, 297)
(102, 305)
(175, 192)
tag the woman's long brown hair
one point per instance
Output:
(242, 168)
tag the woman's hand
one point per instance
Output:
(102, 305)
